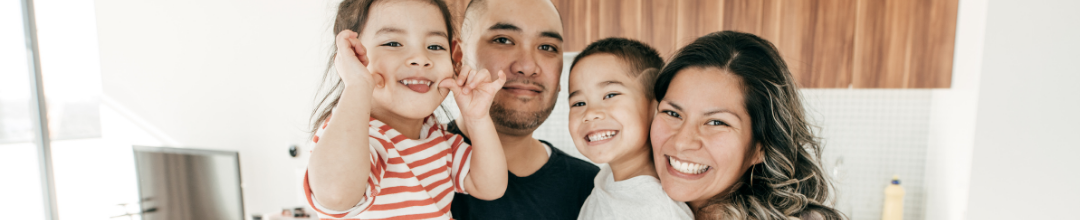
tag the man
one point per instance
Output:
(523, 38)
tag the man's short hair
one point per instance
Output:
(471, 10)
(643, 62)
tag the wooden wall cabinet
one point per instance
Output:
(826, 43)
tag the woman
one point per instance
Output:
(730, 137)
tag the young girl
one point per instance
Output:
(611, 106)
(380, 153)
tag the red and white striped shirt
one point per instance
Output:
(410, 179)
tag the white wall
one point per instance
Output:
(229, 75)
(952, 119)
(1025, 158)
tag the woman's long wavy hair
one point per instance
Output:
(790, 181)
(352, 15)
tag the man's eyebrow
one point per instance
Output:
(389, 30)
(552, 34)
(504, 26)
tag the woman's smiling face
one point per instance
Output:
(701, 135)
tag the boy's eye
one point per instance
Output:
(716, 123)
(503, 40)
(391, 44)
(435, 47)
(609, 95)
(670, 113)
(577, 104)
(549, 48)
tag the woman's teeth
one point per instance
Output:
(687, 167)
(412, 82)
(599, 136)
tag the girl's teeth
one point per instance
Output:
(411, 82)
(687, 167)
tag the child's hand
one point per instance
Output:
(351, 61)
(474, 91)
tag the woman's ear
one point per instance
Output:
(455, 54)
(759, 154)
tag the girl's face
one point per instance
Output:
(701, 135)
(609, 110)
(407, 44)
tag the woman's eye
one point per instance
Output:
(392, 44)
(548, 48)
(503, 40)
(670, 113)
(609, 95)
(715, 123)
(436, 47)
(577, 104)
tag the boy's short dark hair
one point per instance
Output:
(643, 61)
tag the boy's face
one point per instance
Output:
(407, 45)
(609, 110)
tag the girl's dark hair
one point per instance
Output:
(789, 181)
(352, 15)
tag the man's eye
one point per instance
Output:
(577, 104)
(392, 44)
(436, 47)
(671, 113)
(609, 95)
(503, 40)
(548, 48)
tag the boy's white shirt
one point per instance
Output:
(640, 197)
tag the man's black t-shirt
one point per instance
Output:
(556, 191)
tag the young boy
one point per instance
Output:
(611, 107)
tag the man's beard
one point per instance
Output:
(519, 120)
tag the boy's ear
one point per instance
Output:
(456, 54)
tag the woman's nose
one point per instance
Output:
(686, 138)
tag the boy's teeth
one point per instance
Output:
(687, 167)
(599, 136)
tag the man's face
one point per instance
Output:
(522, 38)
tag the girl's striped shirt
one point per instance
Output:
(410, 179)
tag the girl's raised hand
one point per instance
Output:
(474, 91)
(351, 61)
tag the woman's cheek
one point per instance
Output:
(659, 133)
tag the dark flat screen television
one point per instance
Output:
(188, 184)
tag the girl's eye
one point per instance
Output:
(436, 47)
(716, 123)
(609, 95)
(548, 48)
(670, 113)
(392, 44)
(503, 40)
(577, 104)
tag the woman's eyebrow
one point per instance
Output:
(722, 111)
